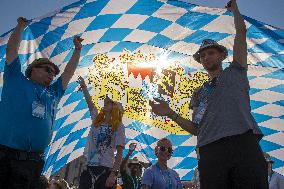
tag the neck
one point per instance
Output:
(37, 82)
(215, 73)
(162, 165)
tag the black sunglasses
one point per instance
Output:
(163, 148)
(47, 69)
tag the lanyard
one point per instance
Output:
(135, 184)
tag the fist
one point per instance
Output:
(78, 42)
(22, 22)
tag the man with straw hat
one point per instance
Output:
(227, 134)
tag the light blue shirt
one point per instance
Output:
(19, 129)
(276, 181)
(155, 178)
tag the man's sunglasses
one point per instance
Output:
(163, 148)
(47, 69)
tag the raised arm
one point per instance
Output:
(240, 43)
(124, 161)
(88, 98)
(163, 109)
(15, 40)
(73, 62)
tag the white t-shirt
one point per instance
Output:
(102, 143)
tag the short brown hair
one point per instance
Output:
(38, 62)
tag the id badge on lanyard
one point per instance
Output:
(38, 108)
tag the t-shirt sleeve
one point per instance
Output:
(237, 65)
(120, 136)
(238, 74)
(148, 177)
(57, 87)
(12, 70)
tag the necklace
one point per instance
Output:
(135, 184)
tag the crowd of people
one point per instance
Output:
(228, 150)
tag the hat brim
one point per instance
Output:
(36, 63)
(196, 56)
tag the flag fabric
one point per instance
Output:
(134, 50)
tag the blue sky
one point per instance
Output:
(268, 11)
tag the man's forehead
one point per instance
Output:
(209, 50)
(48, 65)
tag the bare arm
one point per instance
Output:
(118, 158)
(15, 40)
(240, 44)
(185, 124)
(163, 109)
(124, 161)
(88, 98)
(73, 62)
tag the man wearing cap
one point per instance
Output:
(227, 134)
(275, 180)
(132, 180)
(27, 110)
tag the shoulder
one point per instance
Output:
(236, 65)
(173, 172)
(151, 169)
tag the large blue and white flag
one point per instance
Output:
(135, 50)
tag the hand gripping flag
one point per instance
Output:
(135, 50)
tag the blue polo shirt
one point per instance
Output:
(19, 129)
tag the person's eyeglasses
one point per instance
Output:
(47, 69)
(163, 149)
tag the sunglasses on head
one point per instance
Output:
(163, 149)
(47, 69)
(207, 42)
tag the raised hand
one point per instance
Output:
(78, 42)
(232, 6)
(161, 109)
(132, 147)
(82, 83)
(22, 22)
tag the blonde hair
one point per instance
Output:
(115, 117)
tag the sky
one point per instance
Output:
(268, 11)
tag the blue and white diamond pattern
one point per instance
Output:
(109, 26)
